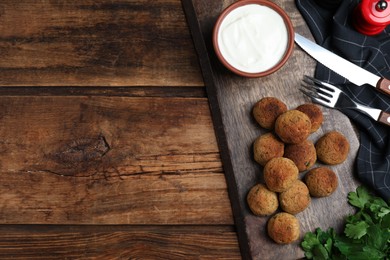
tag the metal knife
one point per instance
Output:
(345, 68)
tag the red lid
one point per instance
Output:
(372, 16)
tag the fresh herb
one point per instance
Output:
(366, 233)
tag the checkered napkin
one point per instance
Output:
(333, 30)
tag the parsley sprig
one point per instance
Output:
(366, 233)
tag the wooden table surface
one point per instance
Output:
(107, 145)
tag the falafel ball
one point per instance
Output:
(296, 198)
(283, 228)
(266, 110)
(321, 181)
(262, 201)
(266, 147)
(303, 154)
(293, 126)
(280, 173)
(332, 148)
(314, 112)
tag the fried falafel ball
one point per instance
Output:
(280, 173)
(303, 154)
(314, 112)
(321, 181)
(262, 201)
(293, 126)
(283, 228)
(266, 110)
(296, 198)
(332, 148)
(266, 147)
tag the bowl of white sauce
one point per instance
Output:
(253, 38)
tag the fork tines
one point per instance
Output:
(333, 97)
(317, 90)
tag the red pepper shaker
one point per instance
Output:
(371, 17)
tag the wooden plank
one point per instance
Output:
(231, 100)
(131, 91)
(96, 43)
(110, 160)
(118, 242)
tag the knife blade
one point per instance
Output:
(343, 67)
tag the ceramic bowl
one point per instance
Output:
(260, 26)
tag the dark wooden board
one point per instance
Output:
(231, 100)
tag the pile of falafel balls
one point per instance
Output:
(285, 151)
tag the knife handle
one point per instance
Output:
(384, 118)
(384, 86)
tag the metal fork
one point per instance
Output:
(333, 97)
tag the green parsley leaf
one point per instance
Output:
(318, 245)
(356, 231)
(366, 233)
(359, 198)
(378, 237)
(383, 212)
(373, 253)
(309, 241)
(328, 245)
(320, 253)
(379, 208)
(386, 222)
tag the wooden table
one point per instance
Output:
(107, 145)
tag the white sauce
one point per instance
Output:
(253, 38)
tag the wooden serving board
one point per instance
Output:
(231, 100)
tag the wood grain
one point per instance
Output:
(110, 160)
(233, 98)
(118, 242)
(96, 43)
(106, 135)
(129, 91)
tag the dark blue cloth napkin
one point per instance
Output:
(333, 29)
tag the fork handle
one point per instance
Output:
(384, 86)
(384, 118)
